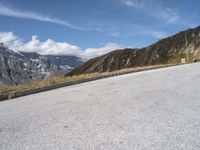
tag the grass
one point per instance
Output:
(57, 80)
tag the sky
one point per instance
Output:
(90, 28)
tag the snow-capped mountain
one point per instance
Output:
(19, 67)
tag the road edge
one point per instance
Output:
(12, 95)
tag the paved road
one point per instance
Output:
(152, 110)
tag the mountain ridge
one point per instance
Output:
(168, 50)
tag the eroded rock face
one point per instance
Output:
(54, 65)
(20, 68)
(169, 50)
(16, 69)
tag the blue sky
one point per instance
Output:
(90, 28)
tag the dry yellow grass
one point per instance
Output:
(57, 80)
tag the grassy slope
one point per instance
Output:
(57, 80)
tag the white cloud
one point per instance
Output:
(35, 45)
(170, 15)
(6, 37)
(157, 34)
(130, 3)
(92, 52)
(154, 9)
(13, 12)
(51, 47)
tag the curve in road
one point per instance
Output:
(152, 110)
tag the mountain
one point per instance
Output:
(168, 50)
(19, 67)
(57, 65)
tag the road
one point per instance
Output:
(150, 110)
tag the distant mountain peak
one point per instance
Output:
(6, 50)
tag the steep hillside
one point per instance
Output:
(169, 50)
(57, 65)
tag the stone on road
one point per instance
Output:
(150, 110)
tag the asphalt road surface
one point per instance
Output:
(150, 110)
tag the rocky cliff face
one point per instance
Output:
(20, 68)
(56, 65)
(15, 68)
(169, 50)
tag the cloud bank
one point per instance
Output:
(51, 47)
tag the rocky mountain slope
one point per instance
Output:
(168, 50)
(56, 65)
(19, 67)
